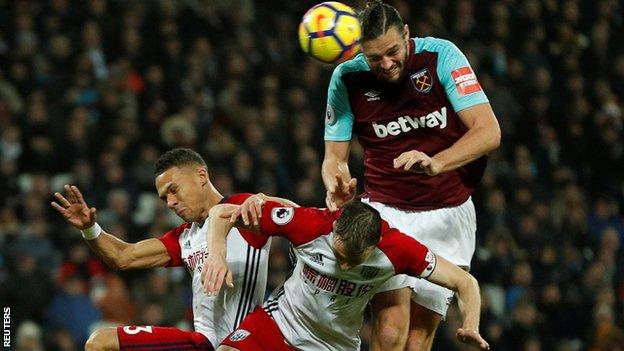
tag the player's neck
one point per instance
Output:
(213, 198)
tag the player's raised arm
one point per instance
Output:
(116, 253)
(452, 277)
(338, 133)
(336, 176)
(215, 269)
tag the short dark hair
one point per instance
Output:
(177, 157)
(377, 18)
(359, 227)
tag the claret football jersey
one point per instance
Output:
(419, 112)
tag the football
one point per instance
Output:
(330, 32)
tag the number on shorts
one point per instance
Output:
(135, 330)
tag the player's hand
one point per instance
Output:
(73, 207)
(340, 193)
(473, 338)
(418, 162)
(232, 213)
(214, 272)
(250, 210)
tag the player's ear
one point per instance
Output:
(202, 173)
(406, 33)
(334, 226)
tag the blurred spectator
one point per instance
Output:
(71, 308)
(28, 337)
(27, 289)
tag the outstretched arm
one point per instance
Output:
(452, 277)
(116, 253)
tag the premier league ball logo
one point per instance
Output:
(282, 215)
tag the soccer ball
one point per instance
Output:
(330, 32)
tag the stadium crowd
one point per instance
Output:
(92, 92)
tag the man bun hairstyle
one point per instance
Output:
(177, 157)
(359, 227)
(377, 18)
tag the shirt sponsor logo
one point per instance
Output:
(333, 285)
(422, 81)
(239, 334)
(195, 259)
(282, 215)
(465, 81)
(405, 124)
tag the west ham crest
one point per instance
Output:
(422, 81)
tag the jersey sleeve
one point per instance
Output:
(338, 115)
(171, 240)
(457, 77)
(408, 256)
(299, 225)
(236, 199)
(254, 240)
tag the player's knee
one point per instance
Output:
(391, 331)
(391, 311)
(389, 337)
(419, 340)
(422, 331)
(102, 340)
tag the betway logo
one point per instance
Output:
(404, 124)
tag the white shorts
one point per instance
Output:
(448, 232)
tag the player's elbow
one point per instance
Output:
(122, 261)
(390, 338)
(493, 133)
(102, 340)
(218, 210)
(495, 139)
(117, 265)
(489, 134)
(467, 284)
